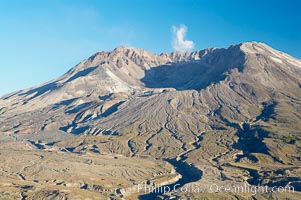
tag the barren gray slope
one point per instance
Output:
(227, 111)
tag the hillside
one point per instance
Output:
(215, 116)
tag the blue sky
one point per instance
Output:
(42, 39)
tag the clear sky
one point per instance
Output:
(42, 39)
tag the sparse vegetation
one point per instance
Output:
(290, 139)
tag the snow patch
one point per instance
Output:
(276, 59)
(295, 62)
(257, 48)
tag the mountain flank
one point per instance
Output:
(229, 116)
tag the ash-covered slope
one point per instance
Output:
(221, 109)
(106, 80)
(125, 70)
(120, 70)
(118, 75)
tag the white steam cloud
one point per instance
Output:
(178, 41)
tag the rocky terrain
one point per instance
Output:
(127, 117)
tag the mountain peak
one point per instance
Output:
(127, 68)
(259, 48)
(123, 48)
(220, 106)
(256, 47)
